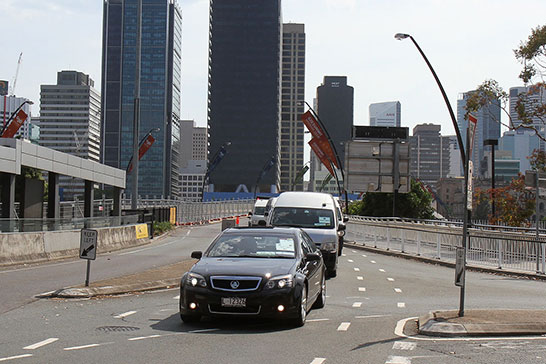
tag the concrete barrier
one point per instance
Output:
(17, 248)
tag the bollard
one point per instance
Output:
(237, 221)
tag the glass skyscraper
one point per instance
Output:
(160, 67)
(243, 104)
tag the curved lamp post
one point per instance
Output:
(466, 218)
(13, 115)
(210, 167)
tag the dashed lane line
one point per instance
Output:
(397, 290)
(318, 320)
(318, 360)
(353, 251)
(82, 347)
(143, 337)
(392, 359)
(350, 260)
(390, 279)
(371, 316)
(156, 246)
(176, 297)
(401, 304)
(373, 261)
(357, 304)
(404, 345)
(364, 255)
(356, 269)
(41, 343)
(360, 278)
(125, 314)
(344, 326)
(16, 357)
(361, 289)
(382, 270)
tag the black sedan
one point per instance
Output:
(266, 272)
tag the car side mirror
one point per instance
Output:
(266, 214)
(345, 219)
(341, 227)
(261, 223)
(312, 257)
(250, 213)
(197, 254)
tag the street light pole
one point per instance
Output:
(208, 171)
(492, 143)
(464, 159)
(136, 110)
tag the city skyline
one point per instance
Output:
(473, 37)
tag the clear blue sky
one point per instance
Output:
(467, 41)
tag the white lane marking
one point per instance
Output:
(371, 316)
(317, 320)
(390, 279)
(404, 345)
(82, 347)
(360, 278)
(202, 330)
(357, 304)
(398, 360)
(41, 343)
(176, 297)
(382, 270)
(155, 246)
(357, 269)
(37, 267)
(361, 289)
(125, 314)
(16, 357)
(401, 304)
(350, 260)
(343, 326)
(373, 261)
(364, 255)
(343, 255)
(397, 290)
(318, 361)
(353, 251)
(143, 337)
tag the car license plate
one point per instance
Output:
(233, 301)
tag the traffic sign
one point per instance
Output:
(459, 267)
(88, 244)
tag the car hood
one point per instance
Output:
(320, 236)
(244, 266)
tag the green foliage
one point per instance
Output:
(415, 204)
(162, 227)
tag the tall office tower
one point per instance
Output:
(8, 106)
(158, 74)
(454, 157)
(535, 97)
(385, 114)
(488, 127)
(429, 154)
(193, 163)
(70, 122)
(292, 96)
(243, 103)
(521, 144)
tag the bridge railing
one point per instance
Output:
(501, 247)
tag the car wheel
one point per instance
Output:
(302, 314)
(321, 299)
(190, 319)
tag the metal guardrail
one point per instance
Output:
(501, 247)
(37, 225)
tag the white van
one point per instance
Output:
(316, 214)
(257, 212)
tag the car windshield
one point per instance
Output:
(303, 217)
(259, 210)
(255, 246)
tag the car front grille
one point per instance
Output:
(235, 283)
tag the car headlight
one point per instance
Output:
(194, 279)
(328, 246)
(286, 281)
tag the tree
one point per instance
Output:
(514, 204)
(530, 107)
(414, 204)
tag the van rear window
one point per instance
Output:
(303, 217)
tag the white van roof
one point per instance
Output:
(260, 203)
(305, 199)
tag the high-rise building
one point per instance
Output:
(158, 74)
(243, 102)
(521, 144)
(12, 104)
(429, 154)
(193, 160)
(292, 96)
(488, 127)
(385, 114)
(334, 104)
(70, 122)
(532, 97)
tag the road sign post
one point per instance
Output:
(88, 249)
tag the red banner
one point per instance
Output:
(472, 123)
(320, 136)
(15, 124)
(146, 144)
(320, 154)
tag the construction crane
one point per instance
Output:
(14, 82)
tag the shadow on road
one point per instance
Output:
(230, 325)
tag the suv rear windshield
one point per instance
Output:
(303, 217)
(259, 210)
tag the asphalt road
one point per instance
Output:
(367, 305)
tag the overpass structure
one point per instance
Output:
(17, 153)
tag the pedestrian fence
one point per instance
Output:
(514, 249)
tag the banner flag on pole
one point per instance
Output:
(320, 136)
(321, 155)
(15, 124)
(221, 153)
(300, 175)
(146, 144)
(472, 123)
(267, 167)
(325, 182)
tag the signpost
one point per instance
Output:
(88, 249)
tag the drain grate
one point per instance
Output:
(117, 328)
